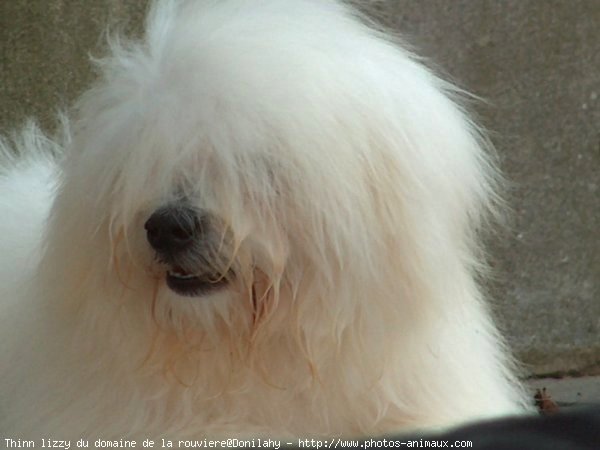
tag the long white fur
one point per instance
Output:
(354, 188)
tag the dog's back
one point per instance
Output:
(27, 181)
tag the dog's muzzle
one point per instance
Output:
(185, 241)
(172, 229)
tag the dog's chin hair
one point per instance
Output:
(350, 190)
(236, 314)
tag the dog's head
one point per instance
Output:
(284, 165)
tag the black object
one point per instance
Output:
(575, 429)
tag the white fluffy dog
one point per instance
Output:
(262, 220)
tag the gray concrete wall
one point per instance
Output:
(537, 63)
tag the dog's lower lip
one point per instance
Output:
(192, 285)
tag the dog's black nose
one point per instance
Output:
(172, 228)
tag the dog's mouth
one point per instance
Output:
(189, 284)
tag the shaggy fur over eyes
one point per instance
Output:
(314, 273)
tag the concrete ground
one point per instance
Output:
(569, 392)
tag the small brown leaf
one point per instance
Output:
(544, 402)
